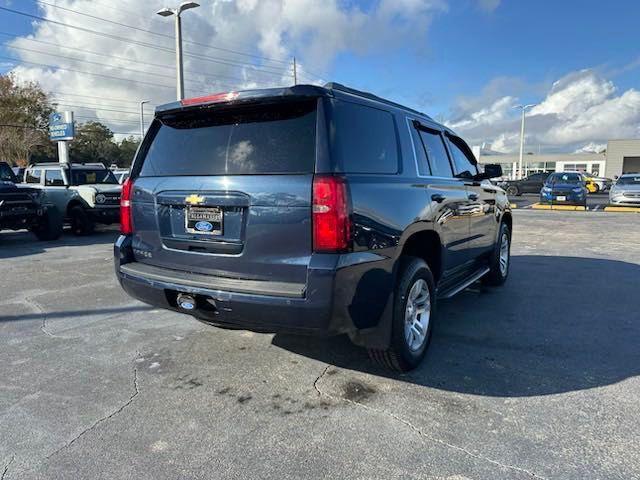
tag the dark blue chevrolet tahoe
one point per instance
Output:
(311, 210)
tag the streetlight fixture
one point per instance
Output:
(524, 108)
(167, 12)
(142, 118)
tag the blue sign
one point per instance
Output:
(61, 126)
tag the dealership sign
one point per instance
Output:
(61, 126)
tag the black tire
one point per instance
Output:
(50, 226)
(597, 190)
(513, 191)
(497, 275)
(399, 356)
(81, 224)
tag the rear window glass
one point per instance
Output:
(84, 176)
(240, 141)
(629, 180)
(363, 139)
(6, 174)
(565, 178)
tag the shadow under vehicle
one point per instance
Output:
(527, 339)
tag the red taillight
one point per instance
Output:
(331, 224)
(126, 224)
(217, 97)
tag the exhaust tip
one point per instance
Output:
(186, 302)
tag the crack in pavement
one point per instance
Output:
(417, 430)
(36, 306)
(107, 417)
(6, 467)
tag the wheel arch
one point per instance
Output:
(74, 203)
(425, 244)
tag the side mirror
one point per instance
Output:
(491, 170)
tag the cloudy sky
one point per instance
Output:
(465, 62)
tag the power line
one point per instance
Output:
(69, 94)
(63, 101)
(141, 62)
(132, 70)
(160, 34)
(107, 119)
(127, 112)
(87, 73)
(143, 44)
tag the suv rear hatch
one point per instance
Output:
(225, 190)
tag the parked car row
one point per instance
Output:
(80, 195)
(534, 183)
(573, 187)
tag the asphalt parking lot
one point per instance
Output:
(538, 379)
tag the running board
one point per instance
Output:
(475, 277)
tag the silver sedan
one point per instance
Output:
(626, 190)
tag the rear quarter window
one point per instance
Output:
(363, 139)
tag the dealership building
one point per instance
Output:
(621, 156)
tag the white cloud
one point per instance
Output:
(579, 108)
(489, 5)
(592, 147)
(315, 32)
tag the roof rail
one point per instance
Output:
(57, 164)
(371, 96)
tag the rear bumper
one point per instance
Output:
(624, 200)
(343, 294)
(570, 199)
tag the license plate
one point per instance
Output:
(561, 198)
(203, 220)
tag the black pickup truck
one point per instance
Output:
(22, 208)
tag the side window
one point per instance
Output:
(33, 176)
(53, 178)
(6, 174)
(436, 153)
(462, 158)
(421, 154)
(363, 139)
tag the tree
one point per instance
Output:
(93, 142)
(128, 148)
(24, 117)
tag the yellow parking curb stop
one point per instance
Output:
(546, 206)
(622, 209)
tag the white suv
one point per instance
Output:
(87, 193)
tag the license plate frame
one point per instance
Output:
(213, 216)
(561, 198)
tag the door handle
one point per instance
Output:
(473, 196)
(436, 197)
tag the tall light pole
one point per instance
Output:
(142, 118)
(167, 12)
(524, 109)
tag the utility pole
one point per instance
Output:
(167, 12)
(142, 118)
(524, 109)
(295, 72)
